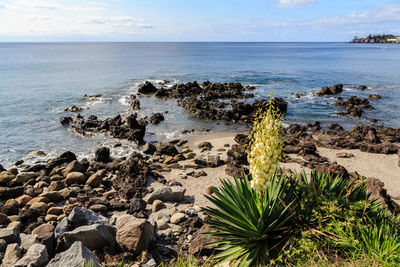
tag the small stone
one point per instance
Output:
(56, 185)
(189, 155)
(208, 190)
(98, 208)
(24, 176)
(96, 179)
(158, 205)
(213, 161)
(55, 210)
(178, 218)
(204, 149)
(204, 145)
(43, 207)
(191, 212)
(53, 196)
(162, 224)
(344, 155)
(56, 177)
(102, 154)
(6, 177)
(23, 200)
(179, 157)
(168, 160)
(75, 178)
(3, 218)
(43, 229)
(16, 225)
(51, 218)
(38, 200)
(166, 193)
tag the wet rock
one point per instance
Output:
(362, 87)
(375, 96)
(102, 154)
(336, 89)
(73, 109)
(75, 256)
(166, 193)
(35, 256)
(135, 236)
(167, 149)
(147, 88)
(149, 149)
(66, 121)
(135, 104)
(156, 118)
(95, 236)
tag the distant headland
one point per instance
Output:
(382, 38)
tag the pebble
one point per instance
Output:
(158, 205)
(178, 218)
(208, 190)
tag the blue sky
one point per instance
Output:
(196, 20)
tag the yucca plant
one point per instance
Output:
(254, 225)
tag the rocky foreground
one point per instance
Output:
(67, 211)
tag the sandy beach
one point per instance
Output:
(381, 166)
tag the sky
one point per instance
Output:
(196, 20)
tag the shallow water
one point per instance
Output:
(38, 80)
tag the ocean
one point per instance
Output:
(39, 80)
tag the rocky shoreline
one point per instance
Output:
(66, 211)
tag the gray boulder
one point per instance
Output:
(82, 217)
(96, 236)
(61, 228)
(166, 193)
(10, 235)
(76, 256)
(36, 256)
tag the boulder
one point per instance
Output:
(213, 161)
(102, 154)
(96, 179)
(95, 236)
(166, 193)
(12, 255)
(74, 166)
(36, 256)
(43, 229)
(28, 240)
(135, 236)
(81, 217)
(156, 118)
(53, 196)
(178, 218)
(147, 88)
(11, 192)
(10, 235)
(75, 178)
(76, 256)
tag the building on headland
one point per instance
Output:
(382, 38)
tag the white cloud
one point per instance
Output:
(294, 3)
(378, 15)
(45, 18)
